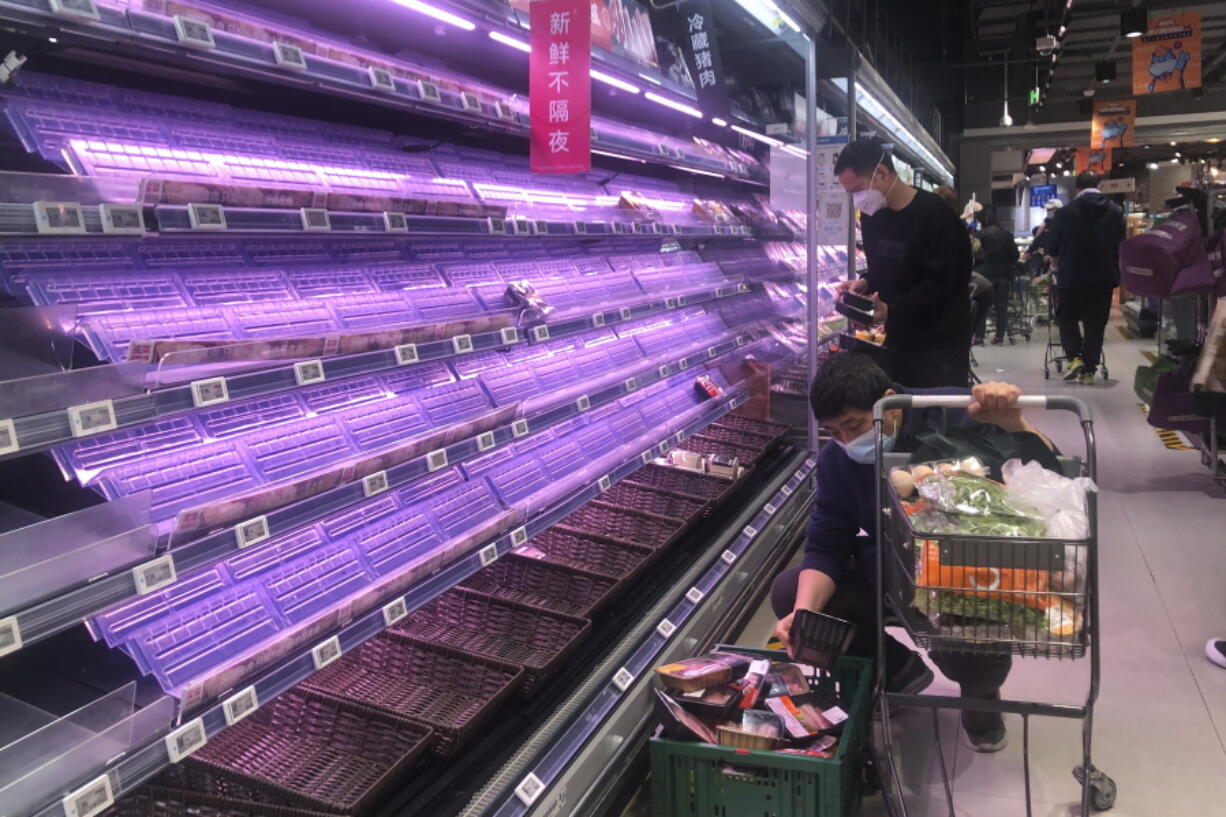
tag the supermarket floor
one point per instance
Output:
(1160, 727)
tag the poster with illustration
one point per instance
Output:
(1096, 159)
(1167, 57)
(1114, 124)
(622, 27)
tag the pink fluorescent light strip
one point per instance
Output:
(619, 156)
(700, 172)
(607, 79)
(437, 13)
(755, 135)
(676, 106)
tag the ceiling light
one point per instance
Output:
(1068, 173)
(1059, 165)
(1134, 22)
(1104, 72)
(1174, 143)
(518, 45)
(676, 106)
(615, 82)
(715, 120)
(52, 40)
(1043, 168)
(1152, 165)
(1174, 161)
(1213, 140)
(796, 151)
(753, 135)
(437, 14)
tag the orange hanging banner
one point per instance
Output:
(1113, 124)
(1168, 56)
(1096, 159)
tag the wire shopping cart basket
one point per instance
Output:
(1053, 355)
(992, 595)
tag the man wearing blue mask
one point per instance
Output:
(919, 269)
(839, 569)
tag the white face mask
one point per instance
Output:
(871, 200)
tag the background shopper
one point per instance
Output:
(999, 265)
(1083, 241)
(919, 269)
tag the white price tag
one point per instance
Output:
(728, 556)
(786, 490)
(496, 226)
(680, 300)
(289, 56)
(326, 652)
(436, 459)
(519, 428)
(540, 333)
(811, 461)
(679, 437)
(666, 628)
(645, 457)
(529, 789)
(206, 216)
(84, 9)
(186, 739)
(381, 79)
(393, 611)
(670, 303)
(8, 437)
(92, 418)
(470, 102)
(315, 218)
(631, 383)
(210, 391)
(193, 32)
(10, 635)
(623, 679)
(154, 574)
(406, 353)
(695, 595)
(428, 90)
(663, 448)
(770, 509)
(749, 531)
(463, 344)
(251, 532)
(510, 335)
(540, 227)
(486, 441)
(663, 371)
(307, 372)
(625, 313)
(583, 403)
(375, 483)
(712, 351)
(240, 705)
(742, 287)
(835, 715)
(580, 227)
(92, 798)
(122, 219)
(504, 110)
(598, 319)
(395, 222)
(488, 555)
(519, 536)
(604, 483)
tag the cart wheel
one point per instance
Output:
(1046, 373)
(1104, 372)
(1059, 367)
(1102, 788)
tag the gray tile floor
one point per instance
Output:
(1160, 727)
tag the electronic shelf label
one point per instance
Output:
(598, 319)
(436, 459)
(428, 91)
(623, 679)
(529, 789)
(10, 635)
(666, 628)
(540, 333)
(92, 798)
(631, 383)
(395, 222)
(240, 705)
(58, 218)
(381, 79)
(206, 216)
(463, 344)
(155, 574)
(326, 652)
(315, 219)
(186, 739)
(470, 102)
(519, 536)
(209, 392)
(8, 437)
(626, 313)
(604, 484)
(406, 353)
(92, 418)
(307, 372)
(583, 403)
(252, 532)
(394, 611)
(122, 219)
(195, 33)
(80, 9)
(728, 556)
(375, 483)
(519, 428)
(694, 595)
(488, 555)
(486, 441)
(510, 335)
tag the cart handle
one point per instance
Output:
(1054, 402)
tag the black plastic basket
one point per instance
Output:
(626, 524)
(659, 501)
(160, 801)
(593, 552)
(819, 639)
(449, 689)
(677, 479)
(307, 749)
(553, 587)
(503, 630)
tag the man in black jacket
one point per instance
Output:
(999, 266)
(919, 269)
(1083, 240)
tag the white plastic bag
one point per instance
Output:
(1062, 501)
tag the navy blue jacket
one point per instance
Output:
(846, 498)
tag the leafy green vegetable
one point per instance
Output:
(972, 495)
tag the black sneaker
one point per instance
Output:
(985, 731)
(1215, 651)
(911, 679)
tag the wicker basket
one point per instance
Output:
(449, 689)
(626, 524)
(677, 479)
(765, 427)
(159, 801)
(553, 587)
(702, 444)
(311, 750)
(593, 552)
(738, 436)
(507, 631)
(660, 501)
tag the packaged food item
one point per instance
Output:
(710, 670)
(961, 492)
(713, 704)
(679, 724)
(755, 678)
(757, 730)
(786, 679)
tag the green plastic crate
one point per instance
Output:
(701, 780)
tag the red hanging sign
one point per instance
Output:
(560, 86)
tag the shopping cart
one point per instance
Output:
(1021, 314)
(916, 579)
(1053, 355)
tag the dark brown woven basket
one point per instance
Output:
(158, 801)
(676, 479)
(659, 501)
(542, 584)
(764, 427)
(306, 749)
(449, 689)
(507, 631)
(703, 444)
(591, 551)
(626, 524)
